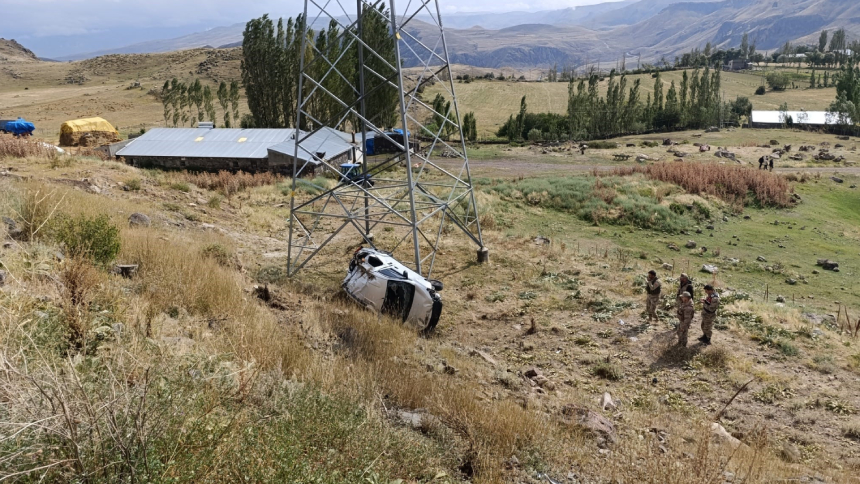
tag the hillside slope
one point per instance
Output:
(12, 51)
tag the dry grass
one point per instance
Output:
(12, 147)
(735, 185)
(227, 183)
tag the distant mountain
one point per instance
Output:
(215, 36)
(603, 32)
(12, 51)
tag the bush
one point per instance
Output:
(214, 201)
(219, 253)
(760, 91)
(732, 184)
(133, 184)
(602, 145)
(608, 371)
(94, 238)
(778, 81)
(596, 200)
(535, 135)
(34, 209)
(650, 144)
(181, 186)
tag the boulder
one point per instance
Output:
(591, 421)
(828, 265)
(532, 372)
(761, 259)
(668, 267)
(791, 282)
(691, 244)
(672, 247)
(710, 269)
(2, 278)
(780, 299)
(774, 142)
(719, 433)
(139, 220)
(712, 129)
(606, 402)
(837, 179)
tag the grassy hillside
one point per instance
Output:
(493, 101)
(120, 88)
(189, 369)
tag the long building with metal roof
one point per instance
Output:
(211, 149)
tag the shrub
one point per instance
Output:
(786, 348)
(535, 135)
(181, 186)
(760, 91)
(34, 209)
(602, 145)
(650, 144)
(94, 238)
(229, 183)
(133, 184)
(608, 371)
(11, 147)
(732, 184)
(596, 200)
(219, 253)
(214, 202)
(778, 81)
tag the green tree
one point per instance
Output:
(166, 102)
(209, 104)
(822, 41)
(838, 44)
(224, 101)
(745, 45)
(812, 80)
(175, 101)
(234, 101)
(778, 81)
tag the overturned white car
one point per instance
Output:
(382, 284)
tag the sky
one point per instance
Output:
(57, 28)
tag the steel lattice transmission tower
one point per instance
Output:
(404, 202)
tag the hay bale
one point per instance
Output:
(88, 133)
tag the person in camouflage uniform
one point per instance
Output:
(685, 317)
(684, 285)
(652, 289)
(709, 313)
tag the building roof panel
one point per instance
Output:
(798, 117)
(206, 143)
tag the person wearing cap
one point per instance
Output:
(685, 317)
(709, 313)
(686, 285)
(652, 289)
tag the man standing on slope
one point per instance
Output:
(685, 286)
(709, 313)
(685, 317)
(652, 289)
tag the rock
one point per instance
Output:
(712, 129)
(672, 247)
(710, 227)
(815, 272)
(587, 419)
(606, 402)
(710, 269)
(698, 231)
(489, 359)
(774, 142)
(837, 179)
(541, 240)
(532, 372)
(2, 278)
(450, 370)
(691, 244)
(721, 435)
(668, 267)
(780, 299)
(828, 265)
(761, 259)
(747, 217)
(139, 220)
(790, 282)
(725, 219)
(790, 453)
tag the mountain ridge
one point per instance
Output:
(573, 36)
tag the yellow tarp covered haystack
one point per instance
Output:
(88, 132)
